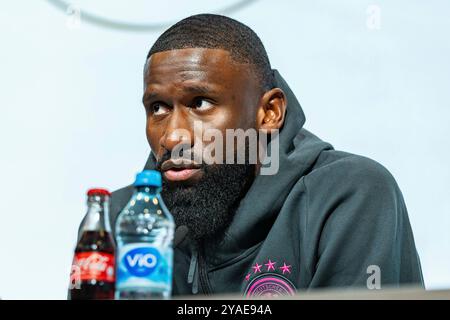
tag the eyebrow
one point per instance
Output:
(192, 89)
(149, 96)
(199, 89)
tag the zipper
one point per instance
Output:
(198, 273)
(193, 270)
(203, 273)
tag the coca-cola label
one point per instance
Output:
(94, 265)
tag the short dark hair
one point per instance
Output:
(219, 32)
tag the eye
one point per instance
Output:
(158, 109)
(202, 104)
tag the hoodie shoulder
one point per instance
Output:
(351, 172)
(357, 213)
(348, 187)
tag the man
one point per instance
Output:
(325, 218)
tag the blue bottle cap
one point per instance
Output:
(148, 178)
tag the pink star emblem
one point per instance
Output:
(247, 277)
(285, 268)
(270, 265)
(257, 268)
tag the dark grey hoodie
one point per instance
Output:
(327, 219)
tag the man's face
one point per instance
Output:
(195, 85)
(188, 86)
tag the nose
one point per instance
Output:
(178, 132)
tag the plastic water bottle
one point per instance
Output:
(144, 234)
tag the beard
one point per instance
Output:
(208, 207)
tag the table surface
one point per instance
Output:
(411, 293)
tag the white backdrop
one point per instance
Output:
(372, 76)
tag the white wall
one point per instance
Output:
(71, 116)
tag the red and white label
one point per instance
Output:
(94, 266)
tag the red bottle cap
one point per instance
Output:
(98, 192)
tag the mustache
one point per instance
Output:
(164, 157)
(167, 156)
(191, 154)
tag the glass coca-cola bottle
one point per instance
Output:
(93, 268)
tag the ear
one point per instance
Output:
(272, 110)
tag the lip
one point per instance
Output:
(180, 175)
(179, 172)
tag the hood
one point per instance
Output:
(257, 211)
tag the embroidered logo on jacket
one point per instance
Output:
(269, 280)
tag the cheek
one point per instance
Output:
(229, 118)
(153, 137)
(221, 121)
(240, 118)
(233, 116)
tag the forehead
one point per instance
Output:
(211, 66)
